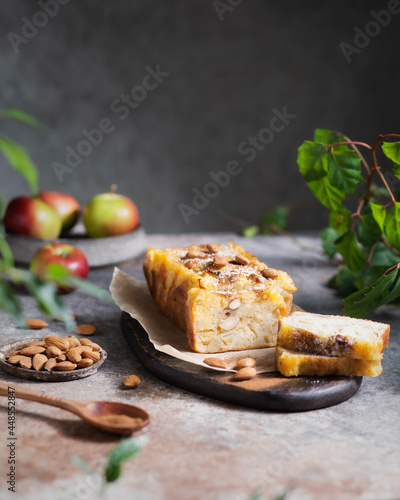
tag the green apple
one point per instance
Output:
(110, 214)
(32, 217)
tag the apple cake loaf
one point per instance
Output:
(224, 298)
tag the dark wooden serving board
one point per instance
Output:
(267, 391)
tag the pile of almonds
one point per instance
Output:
(53, 353)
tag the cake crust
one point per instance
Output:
(293, 364)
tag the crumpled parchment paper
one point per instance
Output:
(133, 296)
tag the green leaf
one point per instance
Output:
(6, 255)
(328, 236)
(9, 301)
(343, 281)
(2, 205)
(352, 254)
(313, 164)
(391, 226)
(21, 162)
(324, 136)
(251, 231)
(125, 450)
(383, 291)
(277, 217)
(21, 116)
(344, 170)
(392, 151)
(62, 276)
(340, 220)
(396, 171)
(369, 231)
(45, 295)
(379, 214)
(310, 160)
(383, 257)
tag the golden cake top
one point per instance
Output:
(226, 267)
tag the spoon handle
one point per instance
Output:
(23, 393)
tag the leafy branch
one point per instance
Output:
(368, 238)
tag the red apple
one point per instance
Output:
(67, 256)
(64, 204)
(32, 217)
(110, 214)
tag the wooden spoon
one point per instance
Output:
(118, 418)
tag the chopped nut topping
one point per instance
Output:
(270, 273)
(220, 261)
(212, 247)
(241, 259)
(256, 277)
(195, 254)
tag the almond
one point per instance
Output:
(220, 261)
(85, 341)
(72, 341)
(38, 361)
(65, 366)
(234, 304)
(216, 362)
(245, 362)
(85, 348)
(36, 342)
(14, 359)
(212, 247)
(25, 362)
(132, 381)
(195, 254)
(270, 273)
(94, 346)
(60, 342)
(74, 354)
(84, 363)
(52, 351)
(245, 373)
(91, 355)
(229, 323)
(241, 259)
(50, 364)
(36, 324)
(61, 358)
(85, 329)
(15, 353)
(32, 350)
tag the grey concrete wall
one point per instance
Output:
(225, 79)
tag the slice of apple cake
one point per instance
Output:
(224, 298)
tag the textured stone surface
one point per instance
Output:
(200, 448)
(225, 80)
